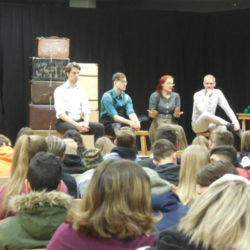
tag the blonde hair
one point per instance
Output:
(192, 159)
(117, 202)
(25, 148)
(245, 141)
(201, 140)
(220, 217)
(104, 144)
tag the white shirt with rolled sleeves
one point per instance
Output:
(73, 101)
(208, 104)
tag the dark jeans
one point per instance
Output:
(95, 128)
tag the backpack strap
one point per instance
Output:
(110, 96)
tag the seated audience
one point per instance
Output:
(218, 220)
(164, 131)
(164, 202)
(6, 155)
(201, 140)
(165, 156)
(244, 158)
(76, 136)
(115, 212)
(25, 148)
(125, 145)
(228, 153)
(221, 137)
(57, 146)
(192, 159)
(92, 159)
(212, 172)
(104, 144)
(40, 211)
(72, 162)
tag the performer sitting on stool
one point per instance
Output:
(71, 102)
(204, 107)
(117, 107)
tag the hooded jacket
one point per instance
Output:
(170, 207)
(39, 215)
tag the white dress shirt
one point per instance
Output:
(72, 101)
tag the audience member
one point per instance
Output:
(104, 144)
(219, 219)
(92, 159)
(25, 148)
(24, 131)
(72, 162)
(212, 172)
(57, 146)
(164, 202)
(221, 137)
(125, 145)
(165, 156)
(76, 136)
(40, 211)
(6, 155)
(228, 153)
(164, 131)
(115, 212)
(201, 140)
(192, 159)
(244, 158)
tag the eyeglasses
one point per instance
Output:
(124, 81)
(170, 84)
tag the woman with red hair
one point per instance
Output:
(164, 107)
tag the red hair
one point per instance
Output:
(162, 80)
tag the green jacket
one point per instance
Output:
(39, 215)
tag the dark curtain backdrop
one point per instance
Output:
(142, 44)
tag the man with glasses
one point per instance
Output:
(117, 107)
(204, 108)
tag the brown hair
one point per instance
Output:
(222, 137)
(245, 141)
(71, 65)
(4, 140)
(200, 140)
(125, 137)
(105, 145)
(117, 202)
(213, 171)
(118, 76)
(163, 148)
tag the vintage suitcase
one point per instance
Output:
(53, 47)
(42, 116)
(48, 69)
(42, 91)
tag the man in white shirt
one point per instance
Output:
(204, 108)
(72, 106)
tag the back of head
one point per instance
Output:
(221, 137)
(4, 141)
(125, 137)
(24, 131)
(104, 144)
(76, 136)
(44, 172)
(166, 131)
(117, 202)
(192, 159)
(230, 228)
(162, 149)
(213, 171)
(245, 141)
(71, 146)
(55, 145)
(225, 153)
(200, 140)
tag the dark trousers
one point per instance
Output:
(95, 128)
